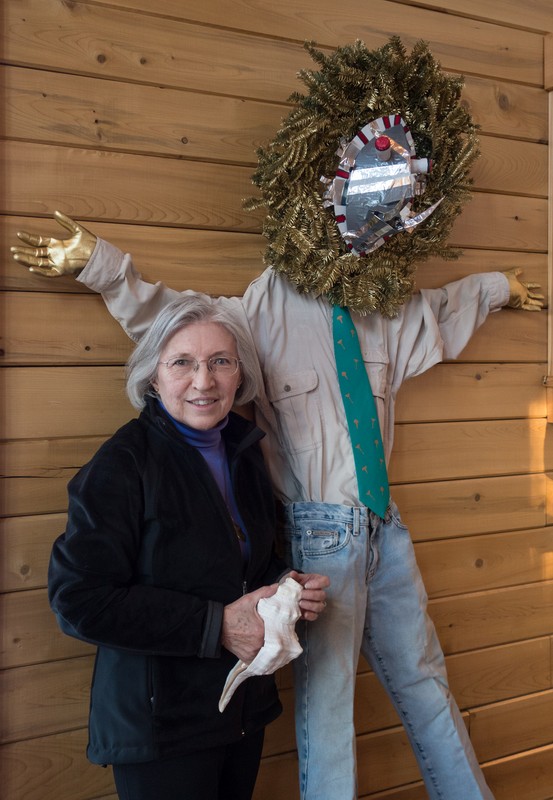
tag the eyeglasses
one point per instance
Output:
(183, 366)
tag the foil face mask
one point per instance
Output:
(377, 177)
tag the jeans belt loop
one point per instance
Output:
(356, 525)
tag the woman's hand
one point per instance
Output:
(313, 596)
(243, 630)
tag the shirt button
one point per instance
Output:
(287, 387)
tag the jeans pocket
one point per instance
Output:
(396, 519)
(323, 541)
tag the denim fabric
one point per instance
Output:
(376, 605)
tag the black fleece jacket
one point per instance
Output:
(144, 569)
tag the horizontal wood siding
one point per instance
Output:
(142, 120)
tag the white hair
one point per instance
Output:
(191, 307)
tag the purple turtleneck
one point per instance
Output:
(212, 447)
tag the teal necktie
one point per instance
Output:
(361, 414)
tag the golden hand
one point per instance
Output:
(54, 257)
(522, 295)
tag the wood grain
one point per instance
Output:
(446, 509)
(47, 768)
(468, 46)
(25, 544)
(30, 634)
(496, 617)
(142, 120)
(537, 15)
(492, 727)
(437, 451)
(476, 563)
(68, 109)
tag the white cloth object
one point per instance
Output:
(280, 614)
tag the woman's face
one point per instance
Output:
(202, 398)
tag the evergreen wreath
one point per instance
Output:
(352, 87)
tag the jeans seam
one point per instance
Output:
(405, 717)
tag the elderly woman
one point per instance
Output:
(167, 551)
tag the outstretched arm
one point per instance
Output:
(437, 324)
(55, 257)
(102, 267)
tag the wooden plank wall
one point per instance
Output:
(141, 120)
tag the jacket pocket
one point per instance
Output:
(295, 400)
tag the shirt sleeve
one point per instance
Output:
(133, 302)
(437, 324)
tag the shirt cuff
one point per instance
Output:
(499, 290)
(103, 267)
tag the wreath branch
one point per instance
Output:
(352, 87)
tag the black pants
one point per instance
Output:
(220, 773)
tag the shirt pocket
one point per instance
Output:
(376, 364)
(295, 400)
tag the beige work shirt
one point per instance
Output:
(307, 447)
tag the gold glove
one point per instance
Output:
(54, 257)
(522, 295)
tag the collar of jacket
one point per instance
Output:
(238, 435)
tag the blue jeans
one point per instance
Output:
(377, 606)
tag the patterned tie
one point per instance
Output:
(361, 414)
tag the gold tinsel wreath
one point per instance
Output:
(352, 87)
